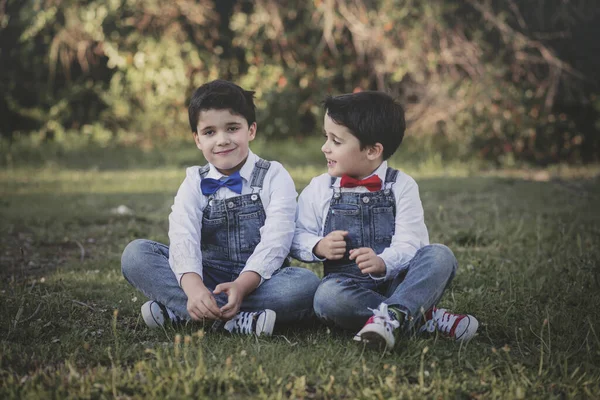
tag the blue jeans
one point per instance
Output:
(289, 292)
(343, 299)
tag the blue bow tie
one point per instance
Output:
(233, 182)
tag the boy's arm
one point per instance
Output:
(185, 225)
(277, 232)
(410, 231)
(309, 224)
(185, 256)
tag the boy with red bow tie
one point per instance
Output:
(365, 221)
(230, 231)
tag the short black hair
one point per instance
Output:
(373, 117)
(221, 95)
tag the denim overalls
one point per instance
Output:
(368, 217)
(229, 236)
(346, 296)
(231, 227)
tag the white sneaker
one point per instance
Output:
(461, 327)
(248, 323)
(156, 315)
(379, 329)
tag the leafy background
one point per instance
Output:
(506, 82)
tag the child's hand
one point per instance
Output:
(236, 291)
(368, 261)
(234, 299)
(202, 305)
(332, 246)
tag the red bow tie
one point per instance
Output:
(373, 183)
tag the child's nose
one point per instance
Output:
(324, 148)
(222, 139)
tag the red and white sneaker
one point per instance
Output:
(461, 327)
(379, 329)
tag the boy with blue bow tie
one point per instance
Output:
(364, 221)
(230, 231)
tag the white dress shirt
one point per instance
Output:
(410, 231)
(278, 196)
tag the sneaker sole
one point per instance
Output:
(266, 323)
(373, 340)
(152, 314)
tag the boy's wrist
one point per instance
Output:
(316, 251)
(191, 282)
(247, 282)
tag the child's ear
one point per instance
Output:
(252, 131)
(375, 151)
(197, 140)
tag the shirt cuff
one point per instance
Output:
(391, 268)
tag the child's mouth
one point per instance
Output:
(224, 152)
(330, 163)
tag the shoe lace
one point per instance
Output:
(445, 321)
(243, 322)
(381, 316)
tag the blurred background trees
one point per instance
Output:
(501, 80)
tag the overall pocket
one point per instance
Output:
(249, 229)
(346, 217)
(384, 225)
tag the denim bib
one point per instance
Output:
(231, 227)
(368, 217)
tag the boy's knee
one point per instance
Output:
(303, 279)
(132, 254)
(444, 258)
(327, 296)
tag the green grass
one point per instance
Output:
(529, 259)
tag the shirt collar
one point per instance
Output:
(245, 171)
(380, 172)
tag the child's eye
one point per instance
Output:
(233, 128)
(335, 141)
(208, 133)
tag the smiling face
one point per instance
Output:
(343, 153)
(223, 138)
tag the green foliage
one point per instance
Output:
(480, 77)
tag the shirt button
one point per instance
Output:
(365, 200)
(210, 203)
(336, 195)
(386, 191)
(254, 197)
(230, 204)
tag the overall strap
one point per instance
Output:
(390, 175)
(204, 170)
(258, 174)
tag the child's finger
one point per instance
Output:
(368, 267)
(354, 253)
(229, 314)
(221, 287)
(364, 258)
(211, 310)
(194, 315)
(226, 309)
(338, 235)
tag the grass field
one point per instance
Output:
(529, 254)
